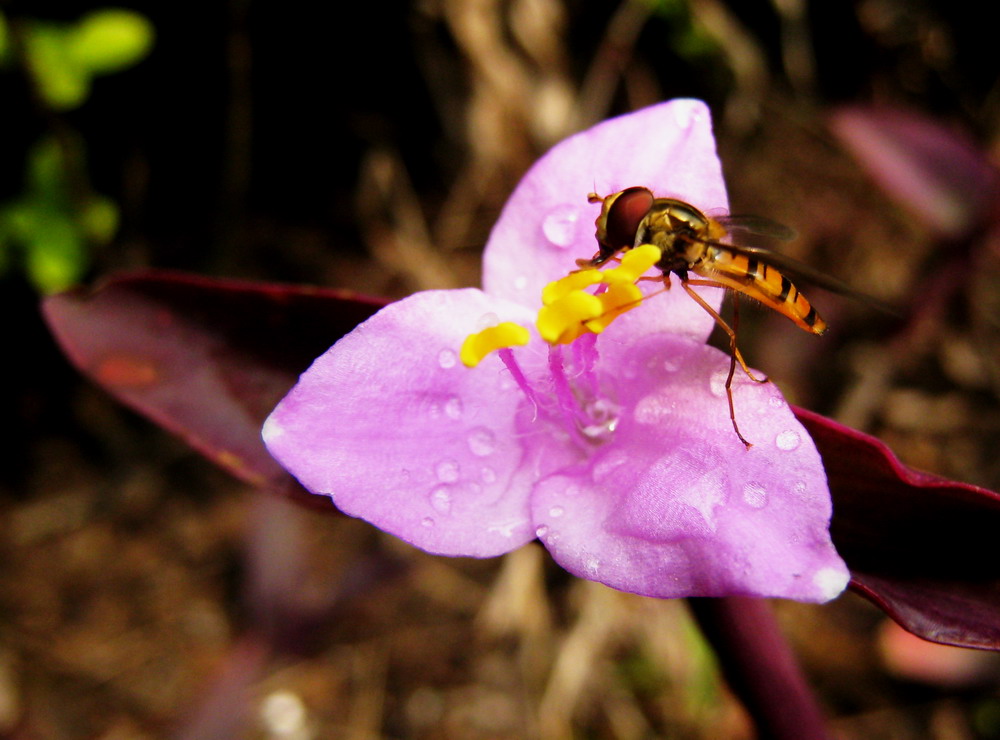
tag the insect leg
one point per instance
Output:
(721, 322)
(734, 354)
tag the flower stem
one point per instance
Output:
(760, 668)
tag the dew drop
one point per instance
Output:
(447, 471)
(447, 358)
(776, 402)
(559, 225)
(482, 442)
(799, 487)
(788, 440)
(592, 565)
(453, 408)
(717, 383)
(541, 531)
(489, 475)
(441, 500)
(427, 522)
(755, 495)
(556, 511)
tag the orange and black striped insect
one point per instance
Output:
(692, 242)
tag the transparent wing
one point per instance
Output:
(756, 226)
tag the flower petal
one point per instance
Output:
(398, 432)
(676, 506)
(547, 223)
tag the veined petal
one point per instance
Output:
(547, 223)
(676, 506)
(397, 431)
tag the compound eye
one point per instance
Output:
(624, 215)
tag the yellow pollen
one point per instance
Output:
(569, 312)
(564, 320)
(477, 346)
(616, 300)
(576, 280)
(635, 263)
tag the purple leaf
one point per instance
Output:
(921, 547)
(938, 175)
(206, 359)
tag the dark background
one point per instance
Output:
(371, 149)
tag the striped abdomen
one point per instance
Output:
(760, 281)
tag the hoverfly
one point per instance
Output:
(691, 242)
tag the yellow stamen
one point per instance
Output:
(564, 320)
(477, 346)
(574, 281)
(616, 300)
(635, 263)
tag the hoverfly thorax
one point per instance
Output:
(681, 231)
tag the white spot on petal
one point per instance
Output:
(755, 495)
(272, 429)
(447, 471)
(788, 440)
(831, 582)
(453, 408)
(717, 383)
(559, 226)
(441, 500)
(482, 442)
(447, 358)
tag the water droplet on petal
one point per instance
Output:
(776, 402)
(447, 358)
(427, 522)
(482, 442)
(447, 471)
(788, 440)
(559, 225)
(800, 486)
(556, 511)
(755, 495)
(489, 475)
(592, 566)
(541, 531)
(441, 500)
(453, 408)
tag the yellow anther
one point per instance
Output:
(616, 300)
(635, 263)
(564, 320)
(477, 346)
(574, 281)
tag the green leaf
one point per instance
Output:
(4, 42)
(60, 79)
(55, 255)
(109, 40)
(99, 219)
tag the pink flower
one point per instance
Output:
(616, 451)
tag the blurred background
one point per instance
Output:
(145, 594)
